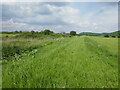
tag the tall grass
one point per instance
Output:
(64, 63)
(12, 48)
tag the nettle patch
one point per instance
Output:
(32, 54)
(15, 52)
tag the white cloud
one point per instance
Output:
(4, 1)
(59, 17)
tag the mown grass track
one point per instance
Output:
(79, 62)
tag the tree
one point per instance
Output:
(113, 36)
(32, 32)
(20, 31)
(73, 33)
(16, 32)
(47, 32)
(106, 35)
(6, 36)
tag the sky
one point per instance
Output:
(60, 16)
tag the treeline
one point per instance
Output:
(113, 34)
(47, 32)
(90, 34)
(36, 34)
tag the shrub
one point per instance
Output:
(106, 35)
(47, 32)
(73, 33)
(113, 36)
(6, 36)
(118, 36)
(10, 49)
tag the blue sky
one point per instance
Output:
(60, 16)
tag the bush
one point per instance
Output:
(10, 49)
(47, 32)
(73, 33)
(118, 36)
(113, 36)
(106, 35)
(6, 36)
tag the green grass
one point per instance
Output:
(77, 62)
(110, 43)
(7, 35)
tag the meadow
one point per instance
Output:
(75, 62)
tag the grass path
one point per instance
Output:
(80, 62)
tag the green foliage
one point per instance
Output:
(47, 32)
(32, 32)
(106, 35)
(40, 35)
(119, 36)
(35, 34)
(113, 36)
(6, 36)
(90, 34)
(16, 32)
(116, 33)
(73, 33)
(10, 49)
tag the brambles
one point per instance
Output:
(10, 49)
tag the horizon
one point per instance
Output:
(61, 32)
(59, 17)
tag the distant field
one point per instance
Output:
(7, 35)
(76, 62)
